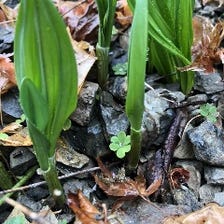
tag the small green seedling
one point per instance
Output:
(120, 68)
(121, 144)
(209, 112)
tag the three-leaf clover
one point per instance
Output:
(209, 111)
(120, 144)
(120, 68)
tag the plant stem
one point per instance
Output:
(53, 183)
(134, 154)
(102, 64)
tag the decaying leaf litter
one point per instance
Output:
(82, 21)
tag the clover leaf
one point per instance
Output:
(120, 144)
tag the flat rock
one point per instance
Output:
(214, 175)
(207, 140)
(86, 102)
(203, 82)
(6, 38)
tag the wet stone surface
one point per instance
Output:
(214, 175)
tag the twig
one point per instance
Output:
(44, 182)
(33, 215)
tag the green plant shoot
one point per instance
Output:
(106, 10)
(171, 37)
(47, 80)
(209, 111)
(121, 144)
(137, 56)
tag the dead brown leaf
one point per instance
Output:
(84, 210)
(206, 52)
(220, 2)
(123, 13)
(7, 13)
(178, 176)
(7, 73)
(211, 214)
(82, 19)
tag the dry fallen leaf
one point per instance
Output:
(19, 137)
(211, 214)
(206, 52)
(85, 212)
(123, 13)
(220, 2)
(82, 19)
(7, 73)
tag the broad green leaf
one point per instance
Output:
(32, 101)
(44, 55)
(126, 148)
(120, 153)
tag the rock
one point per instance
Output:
(118, 88)
(187, 197)
(6, 38)
(141, 212)
(184, 149)
(12, 3)
(34, 206)
(21, 159)
(208, 83)
(194, 181)
(219, 198)
(214, 175)
(114, 117)
(68, 156)
(202, 98)
(207, 192)
(88, 140)
(207, 140)
(10, 106)
(86, 103)
(157, 119)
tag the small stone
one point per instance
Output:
(118, 88)
(202, 98)
(157, 118)
(214, 175)
(208, 82)
(207, 192)
(6, 38)
(186, 197)
(86, 102)
(219, 198)
(113, 115)
(207, 140)
(21, 159)
(35, 206)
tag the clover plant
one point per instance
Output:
(209, 111)
(106, 10)
(121, 144)
(120, 68)
(46, 75)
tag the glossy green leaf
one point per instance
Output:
(44, 55)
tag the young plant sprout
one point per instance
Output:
(137, 55)
(120, 144)
(46, 74)
(106, 10)
(120, 68)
